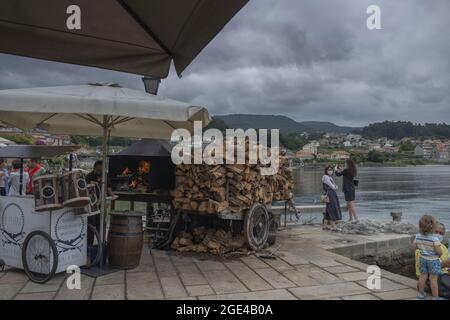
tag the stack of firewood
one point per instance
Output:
(204, 240)
(217, 188)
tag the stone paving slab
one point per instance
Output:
(328, 291)
(138, 290)
(397, 294)
(353, 276)
(254, 262)
(360, 297)
(386, 285)
(321, 275)
(341, 269)
(84, 293)
(8, 291)
(14, 276)
(112, 278)
(274, 278)
(198, 291)
(257, 295)
(303, 269)
(224, 282)
(35, 296)
(248, 276)
(300, 278)
(279, 264)
(109, 292)
(172, 287)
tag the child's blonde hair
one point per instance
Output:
(427, 224)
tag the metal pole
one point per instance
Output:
(70, 161)
(103, 210)
(21, 177)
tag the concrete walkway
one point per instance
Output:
(304, 268)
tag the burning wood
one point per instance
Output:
(138, 181)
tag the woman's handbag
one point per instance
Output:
(325, 198)
(356, 182)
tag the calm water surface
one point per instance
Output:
(412, 190)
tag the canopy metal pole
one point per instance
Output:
(21, 177)
(103, 211)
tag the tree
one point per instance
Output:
(407, 146)
(375, 156)
(401, 129)
(292, 141)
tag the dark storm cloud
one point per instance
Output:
(309, 59)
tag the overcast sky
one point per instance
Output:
(308, 59)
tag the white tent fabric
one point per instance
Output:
(80, 110)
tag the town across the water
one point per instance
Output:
(341, 146)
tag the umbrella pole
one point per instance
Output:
(103, 211)
(102, 268)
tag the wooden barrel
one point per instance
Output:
(125, 239)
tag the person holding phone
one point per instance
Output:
(349, 183)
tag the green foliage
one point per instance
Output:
(292, 141)
(357, 156)
(375, 156)
(19, 138)
(401, 129)
(406, 147)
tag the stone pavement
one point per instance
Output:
(304, 268)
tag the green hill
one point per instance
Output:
(285, 124)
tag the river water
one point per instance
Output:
(412, 190)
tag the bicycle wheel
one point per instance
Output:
(96, 260)
(39, 257)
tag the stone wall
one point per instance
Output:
(394, 255)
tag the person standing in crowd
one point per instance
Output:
(429, 245)
(35, 169)
(349, 183)
(95, 176)
(15, 178)
(4, 178)
(332, 212)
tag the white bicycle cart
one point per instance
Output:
(42, 243)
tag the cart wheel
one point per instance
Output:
(96, 260)
(256, 227)
(39, 257)
(273, 228)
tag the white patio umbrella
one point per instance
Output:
(98, 109)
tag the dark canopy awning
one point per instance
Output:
(147, 148)
(135, 36)
(38, 152)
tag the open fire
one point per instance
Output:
(135, 181)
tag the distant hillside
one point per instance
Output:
(327, 127)
(285, 124)
(401, 129)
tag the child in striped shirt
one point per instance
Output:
(429, 245)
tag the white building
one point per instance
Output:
(311, 147)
